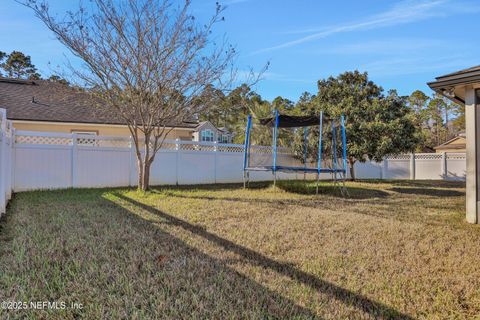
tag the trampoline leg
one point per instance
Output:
(244, 180)
(318, 179)
(345, 192)
(274, 180)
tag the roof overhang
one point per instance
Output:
(62, 123)
(448, 144)
(451, 147)
(452, 86)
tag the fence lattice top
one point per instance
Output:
(62, 139)
(119, 142)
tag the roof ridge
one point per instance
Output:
(17, 81)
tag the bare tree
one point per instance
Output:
(147, 60)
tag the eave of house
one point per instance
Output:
(451, 147)
(88, 124)
(453, 86)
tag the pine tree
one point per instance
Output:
(17, 65)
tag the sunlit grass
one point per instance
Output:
(389, 250)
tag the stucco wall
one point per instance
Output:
(103, 130)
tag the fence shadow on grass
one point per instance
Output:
(418, 183)
(297, 187)
(294, 186)
(220, 186)
(330, 189)
(348, 297)
(279, 203)
(429, 192)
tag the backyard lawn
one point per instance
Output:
(390, 250)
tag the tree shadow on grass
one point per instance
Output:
(429, 192)
(137, 270)
(358, 301)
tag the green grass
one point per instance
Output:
(391, 250)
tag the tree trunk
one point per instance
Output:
(140, 168)
(146, 175)
(143, 175)
(144, 164)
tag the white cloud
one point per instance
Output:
(414, 65)
(406, 11)
(385, 46)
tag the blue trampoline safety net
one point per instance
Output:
(310, 144)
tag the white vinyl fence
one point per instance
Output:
(39, 160)
(58, 160)
(6, 158)
(420, 166)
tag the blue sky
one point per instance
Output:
(401, 43)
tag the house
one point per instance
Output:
(457, 144)
(46, 106)
(207, 132)
(463, 87)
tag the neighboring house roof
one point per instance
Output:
(224, 130)
(42, 100)
(454, 143)
(202, 124)
(426, 149)
(446, 84)
(210, 125)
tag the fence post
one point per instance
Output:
(131, 163)
(14, 155)
(384, 168)
(8, 153)
(412, 166)
(177, 158)
(3, 169)
(215, 149)
(74, 160)
(444, 165)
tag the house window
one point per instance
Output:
(207, 135)
(86, 141)
(223, 138)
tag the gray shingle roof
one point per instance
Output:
(42, 100)
(471, 69)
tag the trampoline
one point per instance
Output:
(299, 144)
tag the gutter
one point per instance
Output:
(90, 124)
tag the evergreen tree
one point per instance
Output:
(376, 125)
(17, 65)
(2, 56)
